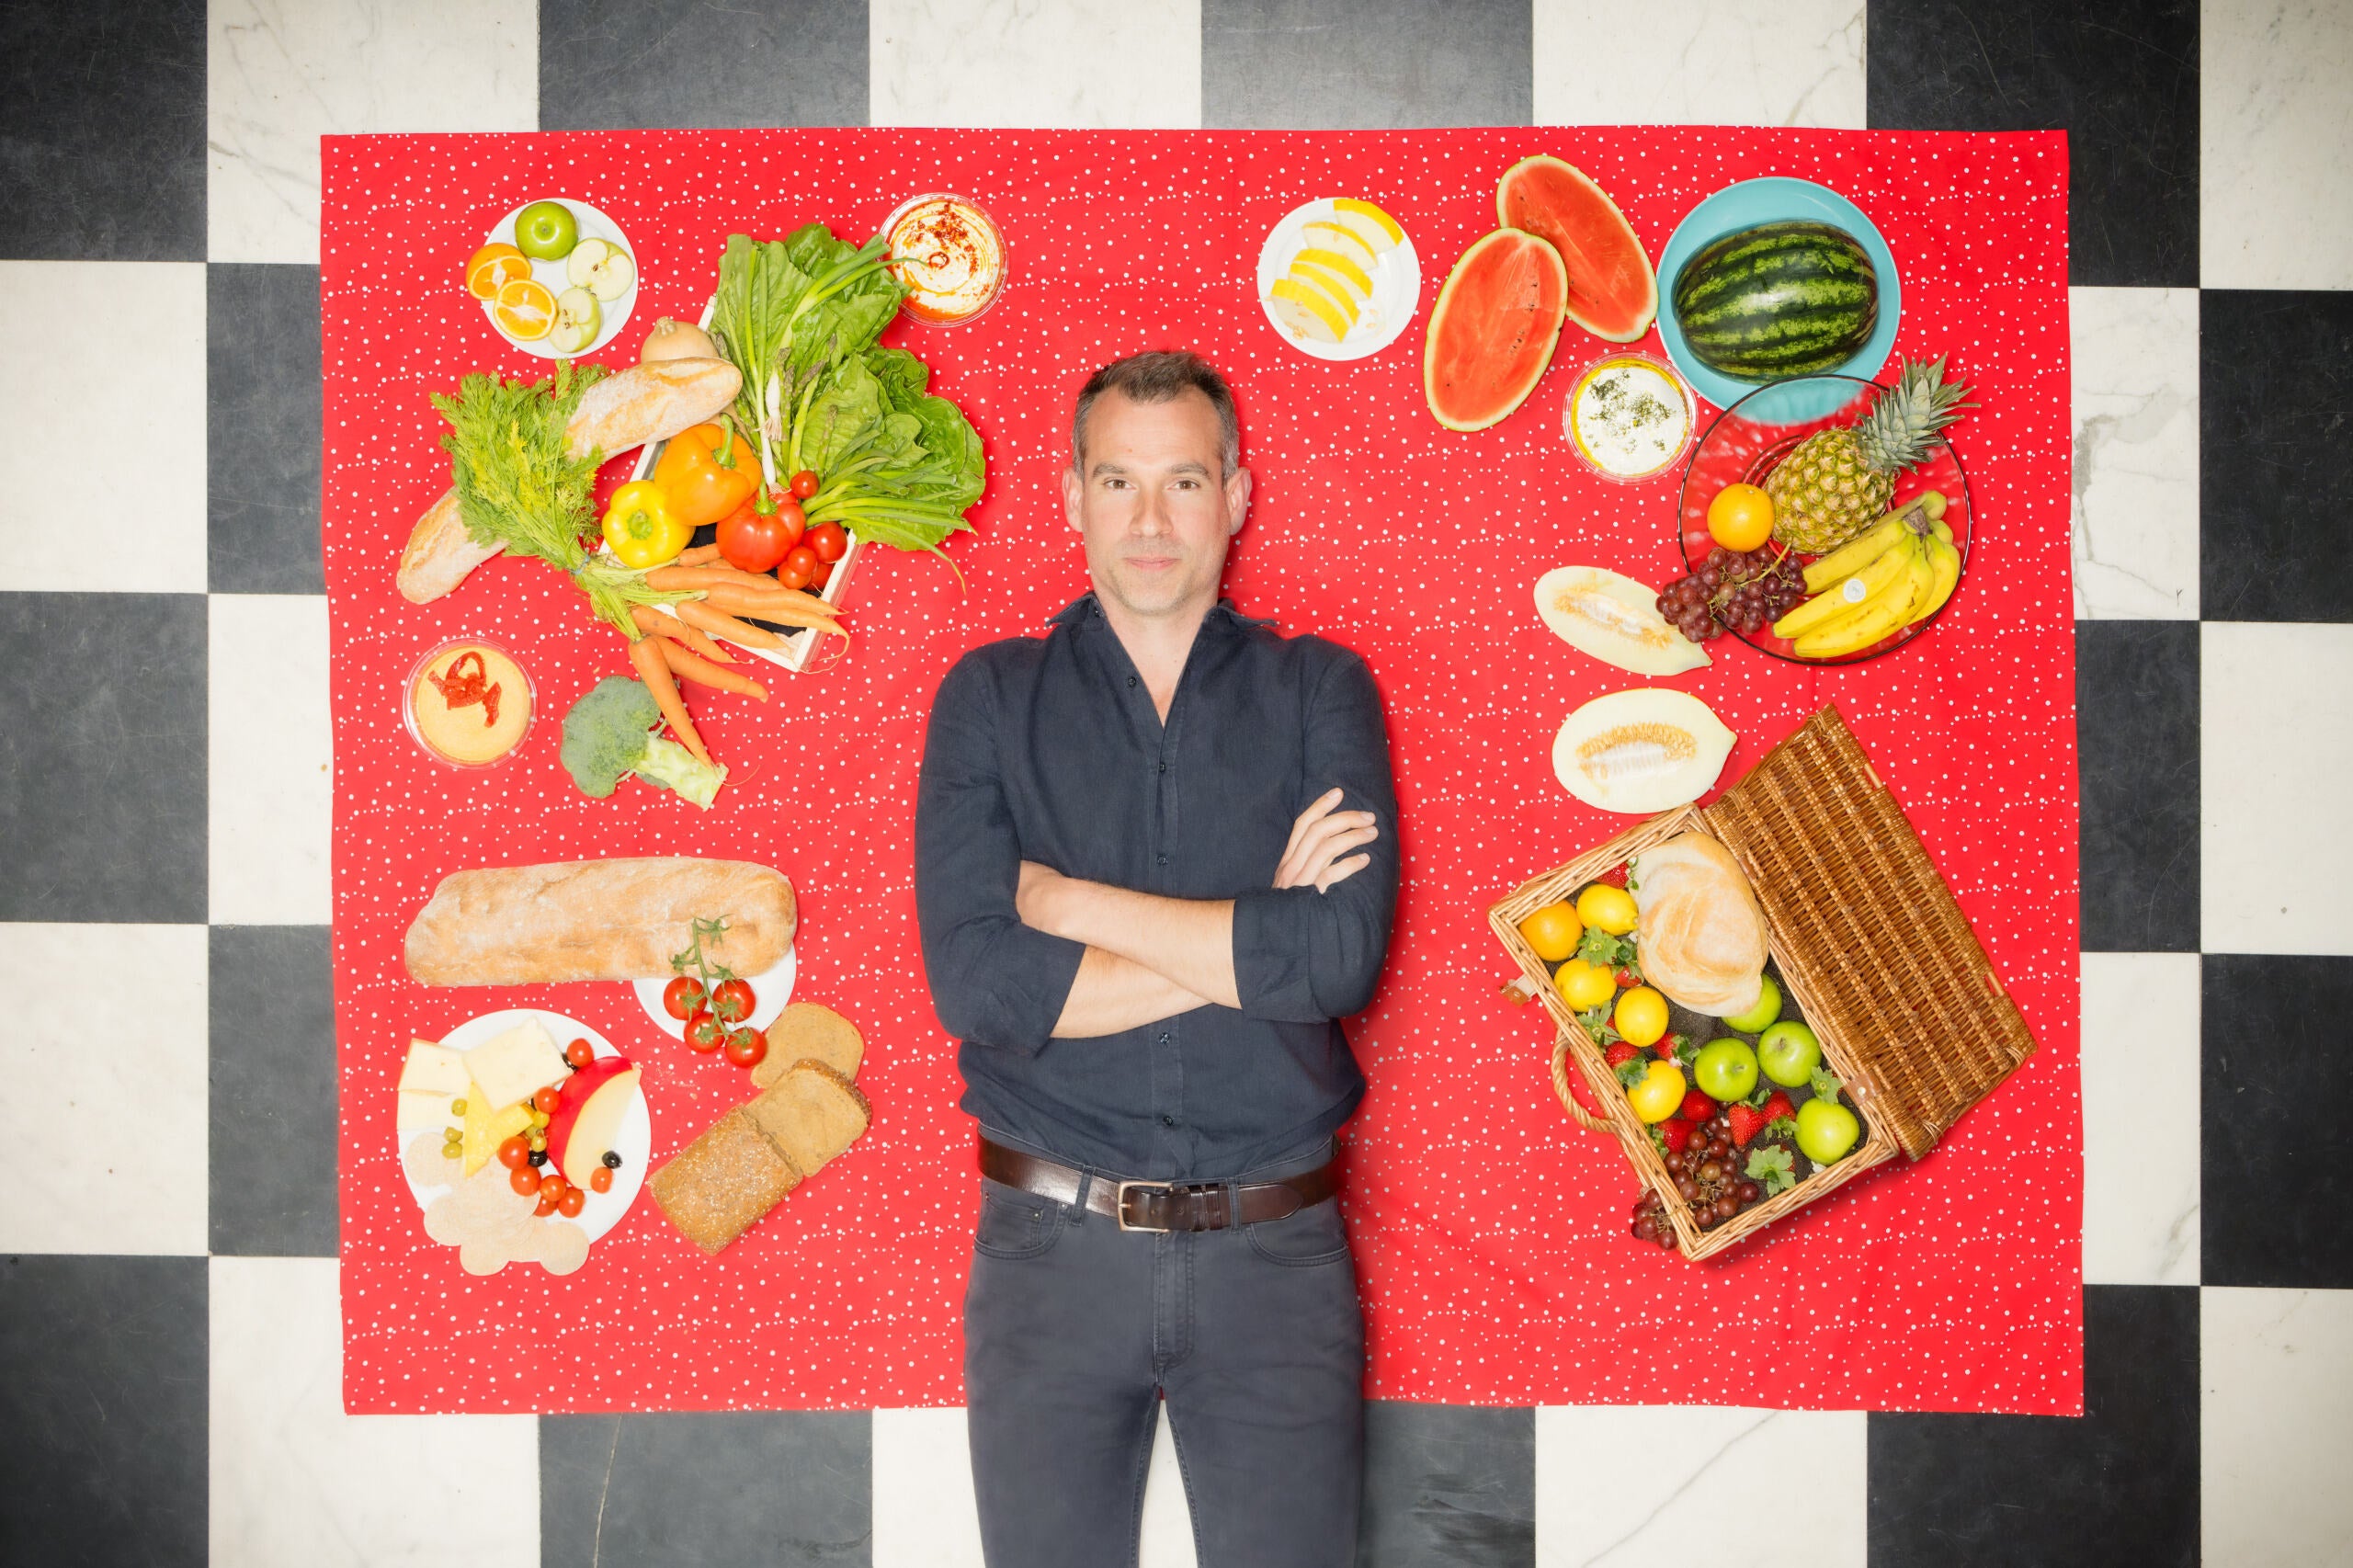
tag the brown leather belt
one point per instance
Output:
(1162, 1206)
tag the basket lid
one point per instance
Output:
(1885, 954)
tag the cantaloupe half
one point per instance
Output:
(1492, 332)
(1650, 749)
(1613, 291)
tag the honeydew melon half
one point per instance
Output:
(1650, 749)
(1492, 332)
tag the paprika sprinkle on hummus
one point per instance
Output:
(467, 703)
(949, 256)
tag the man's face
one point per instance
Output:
(1150, 506)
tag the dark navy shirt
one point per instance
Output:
(1048, 749)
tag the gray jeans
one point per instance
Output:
(1074, 1333)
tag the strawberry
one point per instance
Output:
(1676, 1132)
(1747, 1123)
(1621, 1053)
(1615, 876)
(1697, 1107)
(1778, 1106)
(1665, 1049)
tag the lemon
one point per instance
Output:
(1611, 908)
(1660, 1094)
(1332, 286)
(1585, 986)
(1333, 262)
(1553, 931)
(1325, 234)
(1642, 1015)
(1306, 312)
(1382, 222)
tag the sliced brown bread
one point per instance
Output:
(812, 1114)
(718, 1187)
(805, 1031)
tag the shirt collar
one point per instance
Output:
(1087, 608)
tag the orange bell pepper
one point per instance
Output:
(706, 472)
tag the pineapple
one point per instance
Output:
(1836, 483)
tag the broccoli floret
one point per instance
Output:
(610, 732)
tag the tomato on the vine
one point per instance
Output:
(732, 1000)
(828, 541)
(804, 483)
(747, 1047)
(682, 997)
(705, 1032)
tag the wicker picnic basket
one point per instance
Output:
(1869, 946)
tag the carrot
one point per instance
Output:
(645, 653)
(701, 671)
(648, 618)
(700, 555)
(787, 609)
(672, 579)
(693, 612)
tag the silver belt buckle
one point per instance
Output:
(1121, 1205)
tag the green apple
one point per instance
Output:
(1726, 1069)
(1767, 1008)
(1788, 1052)
(1827, 1129)
(545, 231)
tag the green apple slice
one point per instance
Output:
(579, 264)
(578, 319)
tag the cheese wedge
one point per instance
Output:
(433, 1069)
(516, 1064)
(421, 1109)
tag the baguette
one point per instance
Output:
(596, 920)
(644, 403)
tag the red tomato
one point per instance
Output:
(515, 1153)
(747, 1046)
(804, 485)
(524, 1180)
(828, 541)
(682, 997)
(822, 576)
(548, 1101)
(705, 1032)
(753, 540)
(573, 1201)
(794, 518)
(733, 1000)
(553, 1185)
(794, 568)
(542, 1209)
(602, 1181)
(579, 1053)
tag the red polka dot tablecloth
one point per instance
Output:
(1489, 1230)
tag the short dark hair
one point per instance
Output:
(1160, 376)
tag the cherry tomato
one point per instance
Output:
(794, 518)
(747, 1047)
(548, 1101)
(804, 483)
(754, 540)
(579, 1053)
(524, 1180)
(795, 570)
(733, 1000)
(553, 1185)
(705, 1032)
(573, 1201)
(542, 1209)
(822, 576)
(828, 541)
(682, 997)
(515, 1153)
(602, 1181)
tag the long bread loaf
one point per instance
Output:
(597, 920)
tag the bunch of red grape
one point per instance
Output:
(1745, 590)
(1707, 1174)
(1651, 1224)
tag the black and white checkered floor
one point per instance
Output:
(169, 1341)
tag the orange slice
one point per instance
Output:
(525, 310)
(492, 265)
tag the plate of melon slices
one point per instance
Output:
(1338, 278)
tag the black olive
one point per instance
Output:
(612, 1161)
(539, 1156)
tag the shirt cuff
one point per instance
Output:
(1274, 975)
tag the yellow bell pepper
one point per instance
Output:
(640, 526)
(707, 472)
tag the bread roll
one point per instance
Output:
(718, 1187)
(1703, 938)
(644, 403)
(596, 920)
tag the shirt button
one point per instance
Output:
(1132, 681)
(1164, 1039)
(1164, 767)
(1167, 1121)
(1164, 860)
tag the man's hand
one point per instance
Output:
(1320, 839)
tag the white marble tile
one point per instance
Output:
(88, 348)
(103, 1135)
(271, 783)
(2274, 135)
(1703, 1486)
(1700, 62)
(297, 1484)
(924, 1513)
(2140, 1091)
(2135, 354)
(2275, 771)
(2275, 1427)
(1072, 64)
(280, 73)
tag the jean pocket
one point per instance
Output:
(1313, 1237)
(1016, 1225)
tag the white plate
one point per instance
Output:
(633, 1143)
(1397, 287)
(770, 992)
(594, 225)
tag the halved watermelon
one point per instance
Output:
(1613, 293)
(1491, 330)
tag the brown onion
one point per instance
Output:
(676, 340)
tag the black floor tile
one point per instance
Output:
(102, 130)
(103, 1410)
(2273, 492)
(102, 757)
(273, 1079)
(1448, 1486)
(681, 63)
(2277, 1191)
(784, 1489)
(2136, 728)
(261, 368)
(2120, 76)
(1374, 64)
(2117, 1485)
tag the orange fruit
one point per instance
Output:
(525, 310)
(1741, 516)
(492, 265)
(1553, 931)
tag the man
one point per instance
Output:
(1155, 859)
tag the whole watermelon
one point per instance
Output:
(1777, 301)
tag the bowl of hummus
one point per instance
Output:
(948, 255)
(467, 703)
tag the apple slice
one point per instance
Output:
(584, 257)
(583, 1127)
(609, 274)
(578, 319)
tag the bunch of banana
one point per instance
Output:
(1900, 570)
